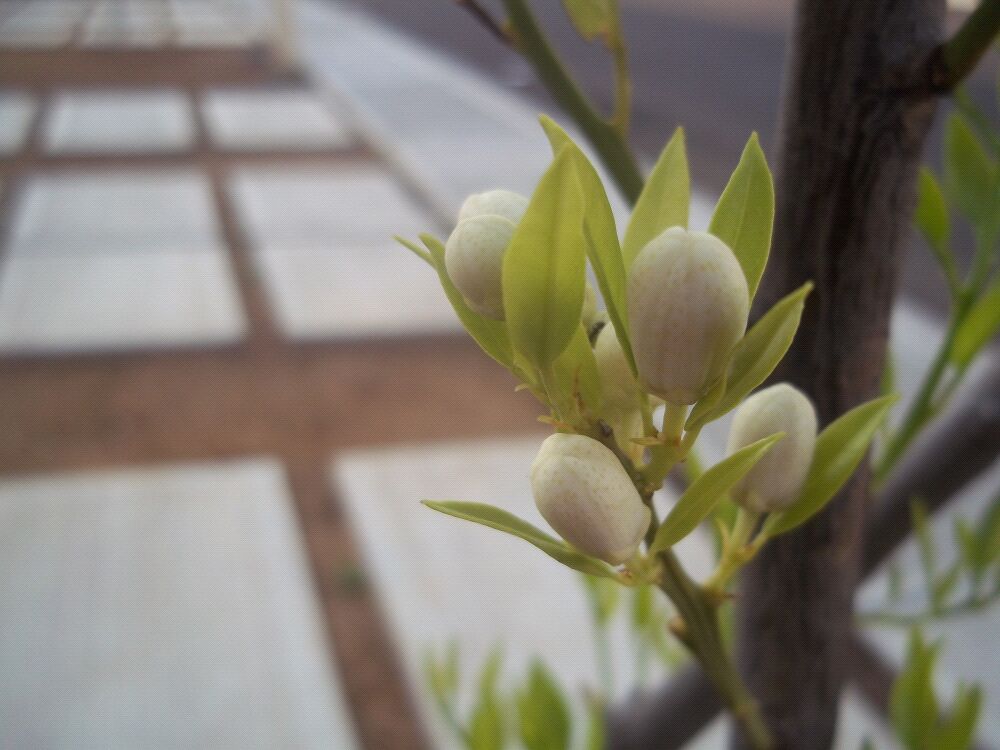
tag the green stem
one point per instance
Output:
(609, 142)
(960, 54)
(703, 637)
(736, 553)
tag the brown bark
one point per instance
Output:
(847, 160)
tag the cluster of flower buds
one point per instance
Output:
(774, 483)
(474, 251)
(582, 490)
(687, 304)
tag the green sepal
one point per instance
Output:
(744, 215)
(501, 520)
(544, 266)
(664, 202)
(839, 450)
(754, 357)
(700, 499)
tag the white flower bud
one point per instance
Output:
(505, 203)
(473, 255)
(621, 389)
(774, 483)
(588, 315)
(687, 305)
(582, 490)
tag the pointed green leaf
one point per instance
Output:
(491, 335)
(501, 520)
(839, 450)
(700, 498)
(912, 705)
(959, 730)
(486, 727)
(932, 219)
(978, 327)
(576, 371)
(970, 174)
(592, 18)
(744, 215)
(601, 235)
(544, 718)
(755, 356)
(544, 266)
(664, 202)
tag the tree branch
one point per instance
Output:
(948, 64)
(953, 451)
(610, 144)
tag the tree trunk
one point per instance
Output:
(849, 149)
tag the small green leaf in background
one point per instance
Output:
(912, 706)
(501, 520)
(978, 327)
(839, 450)
(970, 175)
(755, 356)
(664, 202)
(544, 718)
(544, 266)
(491, 335)
(486, 727)
(596, 738)
(932, 219)
(642, 608)
(576, 371)
(744, 215)
(592, 18)
(601, 234)
(701, 497)
(604, 596)
(958, 731)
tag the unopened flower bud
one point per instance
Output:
(687, 306)
(620, 388)
(582, 490)
(775, 482)
(588, 315)
(473, 255)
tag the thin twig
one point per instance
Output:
(948, 64)
(489, 23)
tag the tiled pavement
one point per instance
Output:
(195, 264)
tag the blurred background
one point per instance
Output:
(224, 389)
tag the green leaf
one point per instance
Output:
(596, 730)
(979, 326)
(912, 705)
(701, 497)
(932, 219)
(744, 215)
(664, 201)
(544, 266)
(839, 450)
(545, 723)
(576, 371)
(970, 174)
(414, 248)
(755, 356)
(601, 235)
(592, 18)
(491, 335)
(958, 731)
(501, 520)
(486, 727)
(604, 596)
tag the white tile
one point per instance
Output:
(437, 577)
(349, 291)
(167, 607)
(115, 211)
(326, 208)
(272, 120)
(119, 122)
(16, 113)
(117, 301)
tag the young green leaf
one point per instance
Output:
(592, 18)
(978, 327)
(544, 718)
(486, 727)
(744, 215)
(932, 219)
(664, 202)
(912, 706)
(604, 596)
(543, 268)
(839, 450)
(491, 335)
(700, 498)
(970, 174)
(755, 356)
(958, 731)
(601, 235)
(577, 374)
(501, 520)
